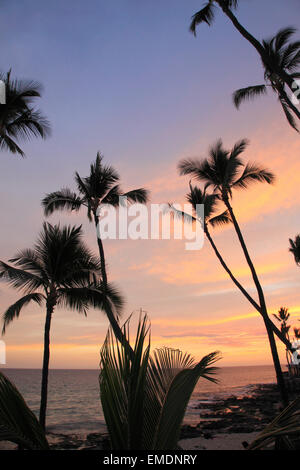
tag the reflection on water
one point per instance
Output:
(74, 403)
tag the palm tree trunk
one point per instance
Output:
(44, 388)
(109, 312)
(285, 77)
(243, 290)
(279, 375)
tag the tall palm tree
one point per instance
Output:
(19, 120)
(224, 171)
(287, 57)
(99, 188)
(207, 15)
(59, 271)
(295, 248)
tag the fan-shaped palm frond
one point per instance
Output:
(144, 400)
(17, 422)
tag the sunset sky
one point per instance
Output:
(127, 78)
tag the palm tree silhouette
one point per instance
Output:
(62, 272)
(283, 316)
(207, 15)
(287, 57)
(99, 188)
(19, 120)
(295, 248)
(224, 171)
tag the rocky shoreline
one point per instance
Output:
(243, 415)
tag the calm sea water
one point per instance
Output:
(74, 403)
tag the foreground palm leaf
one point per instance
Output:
(17, 422)
(284, 431)
(144, 400)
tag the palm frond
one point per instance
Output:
(283, 36)
(222, 219)
(64, 199)
(17, 422)
(253, 173)
(244, 94)
(288, 114)
(122, 385)
(205, 15)
(19, 278)
(140, 195)
(285, 429)
(14, 310)
(174, 377)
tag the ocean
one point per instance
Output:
(74, 404)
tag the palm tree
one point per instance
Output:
(287, 57)
(225, 171)
(283, 316)
(207, 15)
(19, 120)
(62, 272)
(295, 248)
(96, 190)
(144, 400)
(197, 197)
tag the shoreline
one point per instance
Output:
(224, 424)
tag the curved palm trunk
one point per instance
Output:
(277, 366)
(44, 388)
(109, 312)
(244, 292)
(285, 77)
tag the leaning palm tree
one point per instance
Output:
(295, 249)
(210, 202)
(19, 120)
(59, 271)
(144, 400)
(98, 189)
(207, 15)
(224, 171)
(287, 57)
